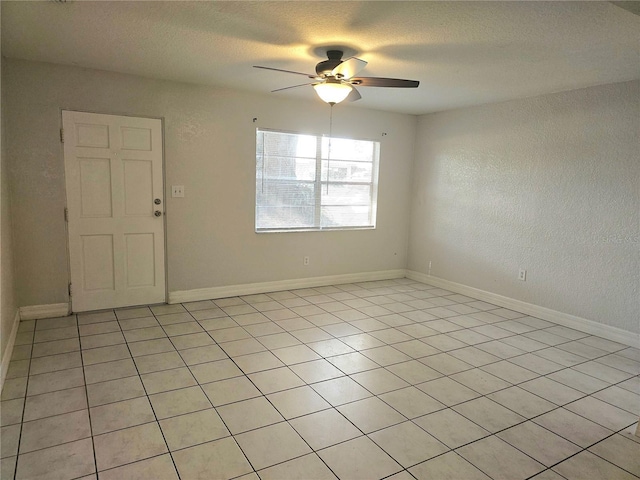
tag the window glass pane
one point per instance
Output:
(340, 171)
(292, 175)
(345, 194)
(345, 216)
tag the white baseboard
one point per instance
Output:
(578, 323)
(265, 287)
(44, 311)
(6, 357)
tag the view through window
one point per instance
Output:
(308, 182)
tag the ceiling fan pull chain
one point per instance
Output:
(329, 152)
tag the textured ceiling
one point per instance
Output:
(463, 53)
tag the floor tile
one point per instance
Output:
(230, 390)
(279, 340)
(480, 381)
(445, 363)
(587, 465)
(115, 416)
(96, 317)
(447, 391)
(351, 363)
(140, 334)
(167, 380)
(522, 402)
(55, 334)
(55, 403)
(573, 427)
(275, 380)
(69, 460)
(214, 371)
(149, 347)
(298, 401)
(11, 439)
(296, 354)
(223, 457)
(178, 402)
(103, 340)
(408, 444)
(602, 413)
(128, 445)
(451, 428)
(620, 398)
(500, 460)
(359, 458)
(99, 328)
(621, 363)
(14, 388)
(361, 341)
(193, 429)
(371, 414)
(560, 356)
(603, 372)
(411, 402)
(339, 391)
(449, 466)
(621, 452)
(136, 312)
(11, 411)
(385, 355)
(54, 348)
(54, 363)
(102, 372)
(413, 372)
(58, 322)
(315, 371)
(105, 354)
(156, 468)
(202, 354)
(114, 391)
(242, 347)
(8, 467)
(415, 348)
(249, 414)
(536, 364)
(52, 431)
(509, 372)
(539, 443)
(553, 391)
(166, 310)
(256, 362)
(158, 362)
(270, 445)
(307, 466)
(488, 414)
(325, 428)
(50, 382)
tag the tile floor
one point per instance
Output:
(391, 379)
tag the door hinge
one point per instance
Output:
(66, 214)
(70, 290)
(62, 135)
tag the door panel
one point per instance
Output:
(114, 172)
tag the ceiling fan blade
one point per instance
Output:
(383, 82)
(354, 96)
(284, 71)
(349, 68)
(293, 86)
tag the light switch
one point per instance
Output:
(177, 191)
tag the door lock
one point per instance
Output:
(157, 213)
(157, 201)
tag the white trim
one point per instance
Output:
(44, 311)
(578, 323)
(6, 357)
(265, 287)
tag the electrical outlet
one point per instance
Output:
(177, 191)
(305, 261)
(522, 275)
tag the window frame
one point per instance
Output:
(319, 184)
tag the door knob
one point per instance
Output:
(157, 201)
(157, 213)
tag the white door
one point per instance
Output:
(115, 202)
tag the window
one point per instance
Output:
(308, 182)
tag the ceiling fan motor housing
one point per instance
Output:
(326, 67)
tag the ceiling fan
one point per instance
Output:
(334, 80)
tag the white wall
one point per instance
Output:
(8, 305)
(550, 184)
(209, 148)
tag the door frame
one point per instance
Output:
(164, 189)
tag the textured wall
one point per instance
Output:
(8, 304)
(550, 184)
(210, 149)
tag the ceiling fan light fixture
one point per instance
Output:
(332, 92)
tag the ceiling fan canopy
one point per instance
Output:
(335, 78)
